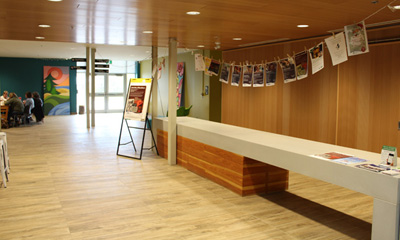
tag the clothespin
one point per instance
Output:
(247, 62)
(288, 56)
(333, 33)
(305, 49)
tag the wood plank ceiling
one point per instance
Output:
(122, 22)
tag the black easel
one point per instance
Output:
(147, 126)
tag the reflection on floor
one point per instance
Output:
(66, 182)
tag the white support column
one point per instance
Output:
(172, 59)
(93, 57)
(154, 92)
(87, 87)
(385, 220)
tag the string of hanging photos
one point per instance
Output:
(353, 41)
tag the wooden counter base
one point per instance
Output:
(240, 174)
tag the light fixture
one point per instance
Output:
(55, 0)
(393, 8)
(192, 13)
(200, 46)
(302, 26)
(40, 38)
(236, 39)
(148, 32)
(44, 25)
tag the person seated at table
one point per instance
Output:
(38, 109)
(16, 107)
(28, 106)
(4, 97)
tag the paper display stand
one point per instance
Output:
(389, 156)
(136, 109)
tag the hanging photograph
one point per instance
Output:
(317, 57)
(337, 48)
(288, 69)
(247, 75)
(207, 63)
(214, 67)
(356, 39)
(270, 73)
(199, 62)
(225, 72)
(301, 60)
(236, 74)
(258, 75)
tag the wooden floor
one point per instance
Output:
(66, 182)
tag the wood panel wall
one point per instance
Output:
(354, 104)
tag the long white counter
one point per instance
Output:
(294, 154)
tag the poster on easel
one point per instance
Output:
(137, 99)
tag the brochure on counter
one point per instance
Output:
(332, 155)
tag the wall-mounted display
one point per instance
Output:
(56, 90)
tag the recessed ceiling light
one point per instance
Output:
(237, 39)
(39, 37)
(200, 46)
(396, 7)
(302, 26)
(147, 31)
(55, 0)
(192, 13)
(44, 26)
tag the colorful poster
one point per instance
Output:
(258, 75)
(236, 74)
(356, 39)
(56, 90)
(199, 62)
(337, 48)
(137, 99)
(225, 73)
(247, 75)
(288, 70)
(301, 60)
(179, 83)
(317, 57)
(270, 73)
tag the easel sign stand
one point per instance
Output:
(136, 109)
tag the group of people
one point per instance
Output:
(32, 105)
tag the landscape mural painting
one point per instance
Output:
(56, 90)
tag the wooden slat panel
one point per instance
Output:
(240, 174)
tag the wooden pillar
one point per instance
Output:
(93, 57)
(87, 87)
(172, 59)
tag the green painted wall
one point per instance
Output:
(20, 75)
(203, 106)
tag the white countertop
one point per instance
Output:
(293, 154)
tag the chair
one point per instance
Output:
(4, 115)
(3, 136)
(3, 165)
